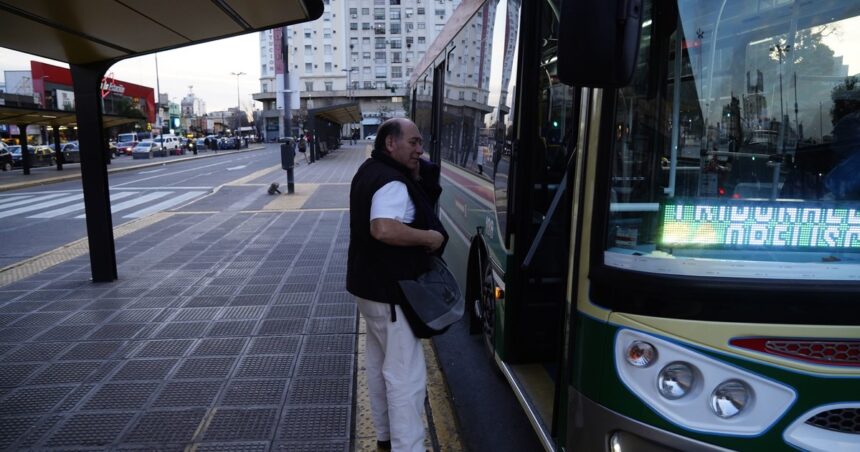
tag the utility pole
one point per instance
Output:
(238, 100)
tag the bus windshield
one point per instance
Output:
(736, 150)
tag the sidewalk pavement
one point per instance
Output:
(226, 330)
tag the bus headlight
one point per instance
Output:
(641, 354)
(675, 380)
(730, 398)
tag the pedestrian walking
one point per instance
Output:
(303, 147)
(394, 231)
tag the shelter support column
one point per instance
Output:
(94, 176)
(59, 155)
(26, 160)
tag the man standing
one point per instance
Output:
(393, 232)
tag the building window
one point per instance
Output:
(421, 39)
(328, 86)
(409, 26)
(381, 71)
(353, 12)
(395, 57)
(365, 56)
(309, 68)
(326, 33)
(440, 12)
(379, 58)
(327, 67)
(353, 26)
(395, 28)
(395, 43)
(327, 49)
(409, 12)
(395, 2)
(307, 34)
(368, 85)
(421, 25)
(365, 11)
(365, 26)
(378, 13)
(420, 11)
(409, 41)
(309, 50)
(309, 86)
(394, 13)
(379, 28)
(396, 72)
(366, 69)
(327, 16)
(379, 43)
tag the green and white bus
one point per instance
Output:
(654, 210)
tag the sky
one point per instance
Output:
(206, 67)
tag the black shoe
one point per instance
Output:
(383, 445)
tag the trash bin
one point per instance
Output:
(288, 155)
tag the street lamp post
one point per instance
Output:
(238, 107)
(349, 90)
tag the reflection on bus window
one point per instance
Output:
(735, 117)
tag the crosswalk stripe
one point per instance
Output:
(41, 205)
(135, 202)
(78, 206)
(164, 205)
(29, 199)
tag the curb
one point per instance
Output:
(77, 175)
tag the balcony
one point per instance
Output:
(269, 95)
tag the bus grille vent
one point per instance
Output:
(843, 420)
(835, 352)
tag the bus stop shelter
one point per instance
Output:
(92, 35)
(24, 117)
(326, 123)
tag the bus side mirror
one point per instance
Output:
(598, 42)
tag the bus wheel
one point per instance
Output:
(487, 309)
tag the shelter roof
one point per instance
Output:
(340, 114)
(55, 118)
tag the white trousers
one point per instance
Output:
(396, 377)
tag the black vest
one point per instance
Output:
(373, 268)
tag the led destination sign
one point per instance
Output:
(758, 225)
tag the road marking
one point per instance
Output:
(79, 206)
(164, 205)
(195, 169)
(134, 202)
(234, 168)
(41, 205)
(29, 199)
(152, 171)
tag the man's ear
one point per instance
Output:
(389, 141)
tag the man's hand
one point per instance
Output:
(435, 240)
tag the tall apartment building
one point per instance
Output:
(358, 51)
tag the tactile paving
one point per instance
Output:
(95, 429)
(12, 375)
(166, 427)
(335, 310)
(268, 279)
(266, 366)
(74, 398)
(205, 368)
(66, 333)
(324, 365)
(30, 400)
(255, 392)
(110, 304)
(219, 346)
(88, 317)
(188, 393)
(233, 447)
(332, 325)
(12, 428)
(188, 314)
(336, 297)
(251, 300)
(135, 315)
(241, 424)
(164, 349)
(293, 298)
(314, 423)
(274, 345)
(36, 352)
(320, 391)
(117, 331)
(19, 334)
(242, 312)
(119, 396)
(293, 288)
(337, 343)
(182, 330)
(65, 372)
(91, 350)
(202, 301)
(145, 369)
(232, 328)
(258, 289)
(282, 327)
(289, 311)
(41, 319)
(313, 446)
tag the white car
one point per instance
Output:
(371, 137)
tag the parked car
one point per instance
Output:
(126, 147)
(39, 156)
(200, 143)
(371, 137)
(71, 152)
(147, 149)
(5, 157)
(171, 144)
